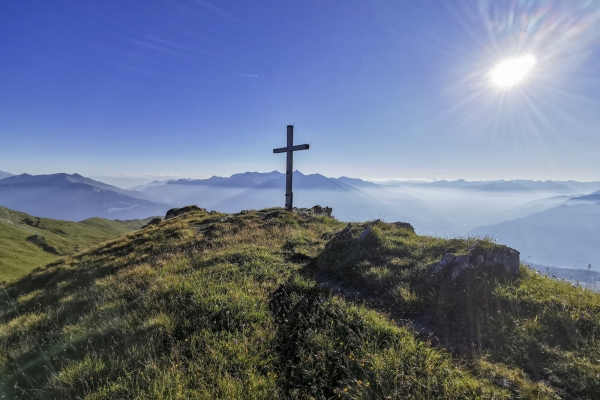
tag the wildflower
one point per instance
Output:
(359, 382)
(367, 383)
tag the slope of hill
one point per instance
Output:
(563, 236)
(592, 197)
(73, 198)
(27, 242)
(270, 304)
(4, 175)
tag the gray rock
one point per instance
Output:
(153, 221)
(316, 210)
(477, 256)
(175, 212)
(364, 234)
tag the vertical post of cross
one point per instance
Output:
(289, 169)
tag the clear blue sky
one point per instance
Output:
(381, 89)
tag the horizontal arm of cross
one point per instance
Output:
(293, 148)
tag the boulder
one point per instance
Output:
(502, 257)
(175, 212)
(364, 234)
(316, 210)
(404, 225)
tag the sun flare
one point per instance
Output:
(512, 71)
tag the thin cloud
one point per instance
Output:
(251, 76)
(217, 10)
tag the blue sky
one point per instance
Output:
(389, 89)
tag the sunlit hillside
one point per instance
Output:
(27, 242)
(273, 304)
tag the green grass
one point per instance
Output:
(27, 242)
(210, 305)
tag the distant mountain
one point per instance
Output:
(351, 199)
(457, 184)
(4, 175)
(74, 197)
(581, 187)
(563, 236)
(246, 179)
(592, 197)
(306, 182)
(28, 242)
(546, 186)
(359, 183)
(499, 186)
(517, 185)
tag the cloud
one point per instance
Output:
(251, 76)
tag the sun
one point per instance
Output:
(512, 71)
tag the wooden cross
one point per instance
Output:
(289, 196)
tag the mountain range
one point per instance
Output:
(547, 220)
(74, 198)
(564, 235)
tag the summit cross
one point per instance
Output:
(289, 195)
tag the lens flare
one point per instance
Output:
(512, 71)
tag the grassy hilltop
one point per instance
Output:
(271, 304)
(27, 242)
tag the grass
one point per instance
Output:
(210, 305)
(27, 242)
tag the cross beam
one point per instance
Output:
(289, 195)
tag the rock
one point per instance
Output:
(503, 257)
(364, 234)
(316, 210)
(153, 221)
(404, 225)
(344, 234)
(175, 212)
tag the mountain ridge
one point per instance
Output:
(74, 197)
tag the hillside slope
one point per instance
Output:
(563, 236)
(74, 198)
(271, 304)
(27, 242)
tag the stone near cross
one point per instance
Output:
(289, 195)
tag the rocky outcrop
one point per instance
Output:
(316, 210)
(364, 234)
(404, 225)
(153, 221)
(175, 212)
(502, 257)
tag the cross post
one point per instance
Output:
(289, 195)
